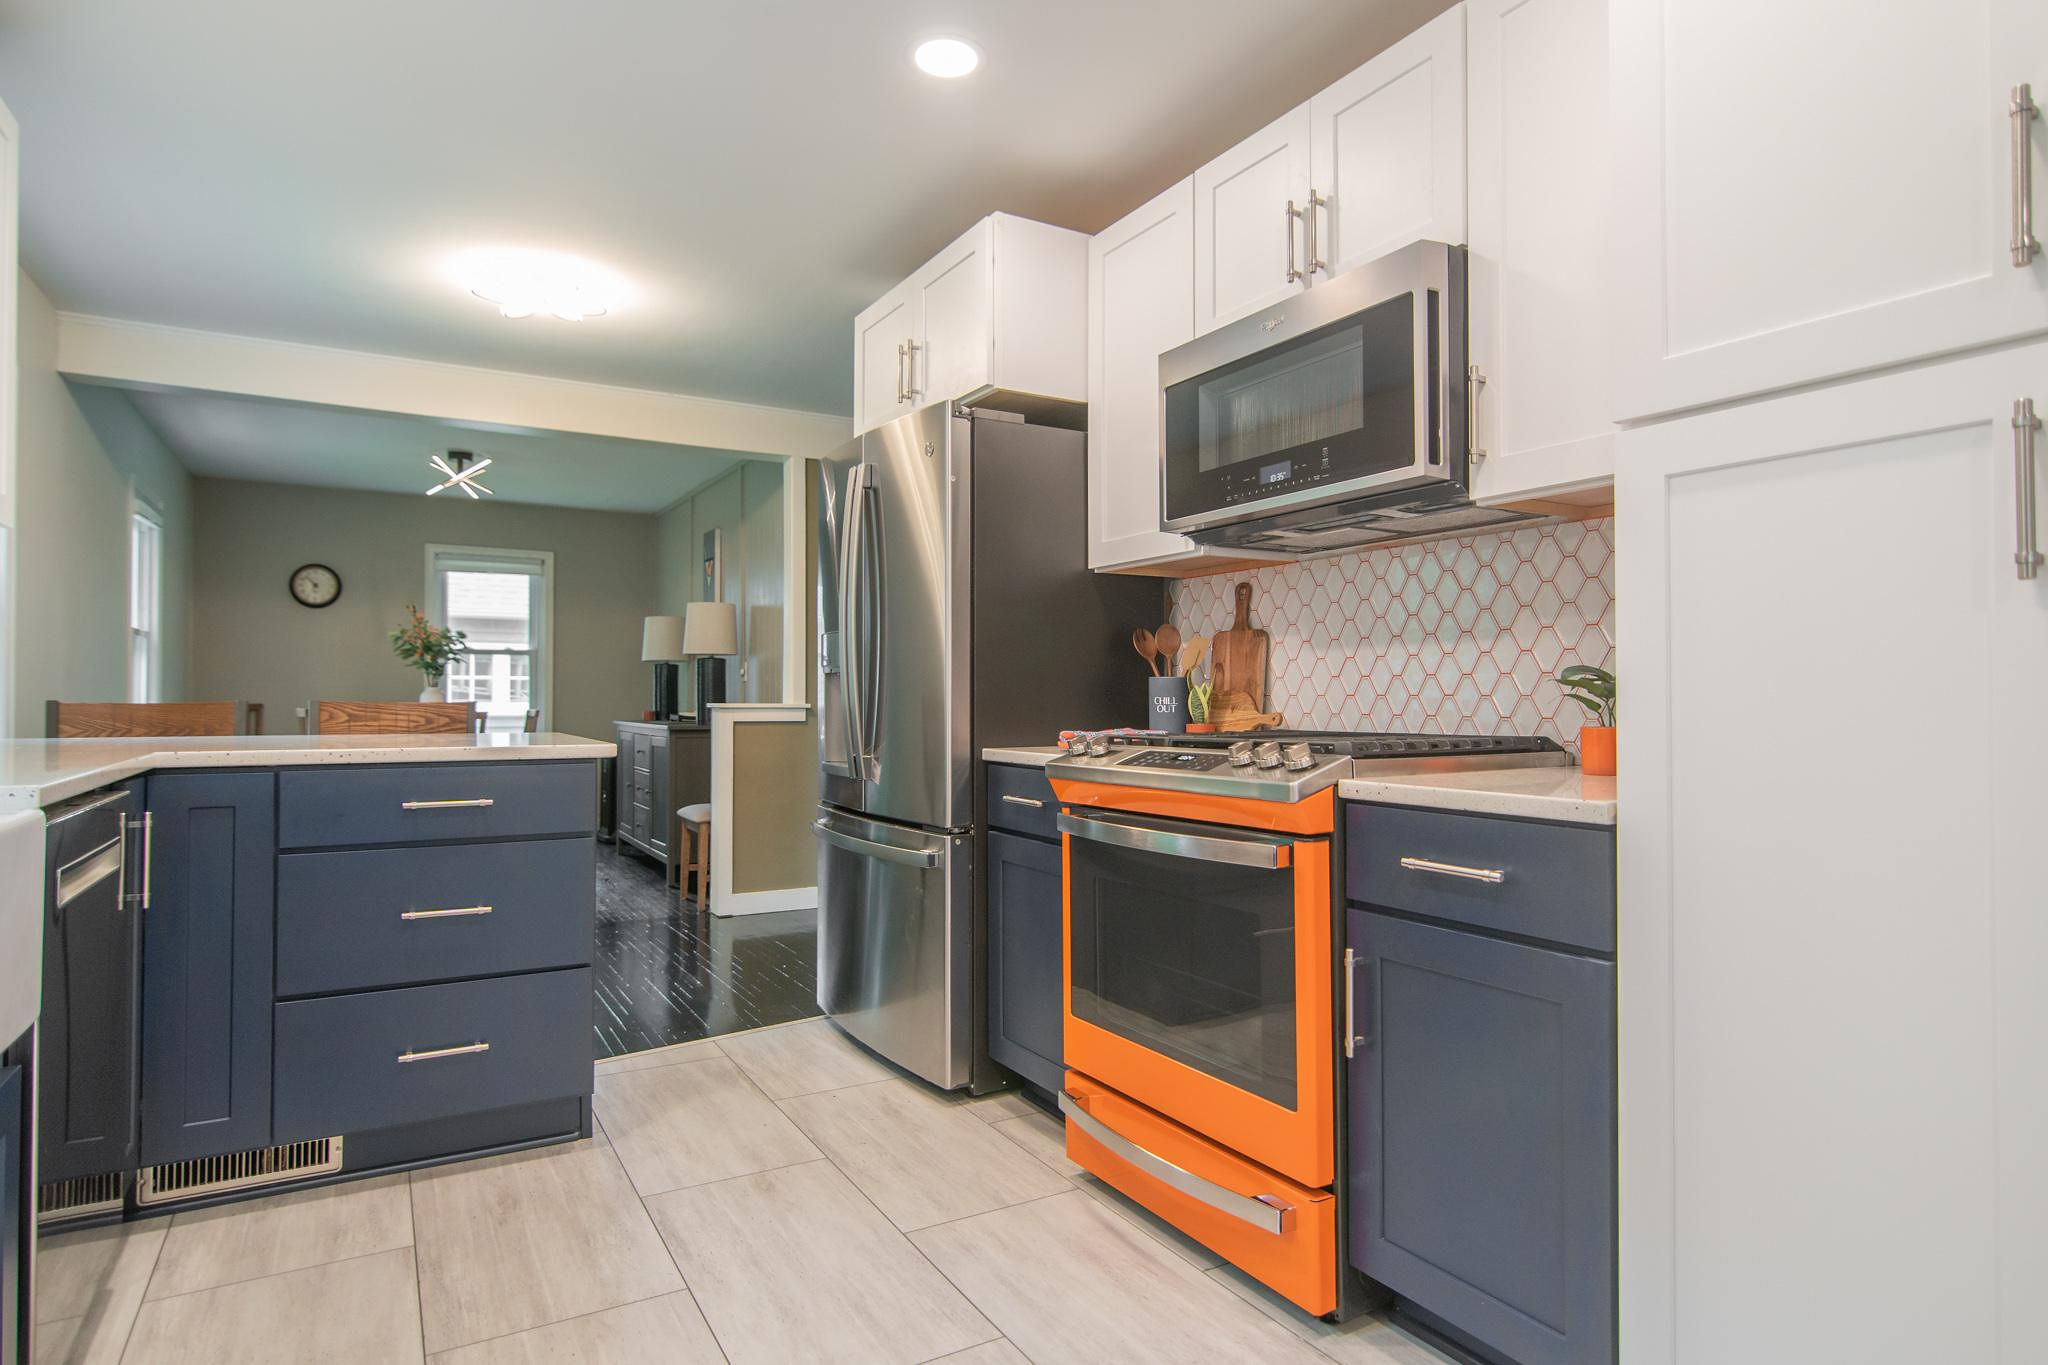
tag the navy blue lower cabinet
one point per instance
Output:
(15, 1309)
(1027, 958)
(206, 964)
(1482, 1135)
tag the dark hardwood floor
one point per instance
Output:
(666, 972)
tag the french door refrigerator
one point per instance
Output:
(956, 611)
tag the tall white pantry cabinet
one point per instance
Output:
(1834, 760)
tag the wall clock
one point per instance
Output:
(315, 585)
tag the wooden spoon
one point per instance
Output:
(1167, 638)
(1148, 648)
(1191, 655)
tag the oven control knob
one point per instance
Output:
(1241, 754)
(1266, 755)
(1297, 758)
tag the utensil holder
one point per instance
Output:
(1167, 705)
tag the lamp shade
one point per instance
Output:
(711, 628)
(661, 639)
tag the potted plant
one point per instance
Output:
(1593, 688)
(427, 647)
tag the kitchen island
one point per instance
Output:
(348, 954)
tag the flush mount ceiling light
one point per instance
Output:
(947, 58)
(461, 467)
(524, 282)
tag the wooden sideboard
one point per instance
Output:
(663, 766)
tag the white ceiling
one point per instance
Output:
(760, 170)
(225, 437)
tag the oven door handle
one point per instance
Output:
(1244, 850)
(1266, 1212)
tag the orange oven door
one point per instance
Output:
(1198, 965)
(1278, 1232)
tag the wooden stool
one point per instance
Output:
(696, 831)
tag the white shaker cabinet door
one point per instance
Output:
(1249, 237)
(1832, 938)
(1809, 190)
(882, 336)
(953, 293)
(1537, 96)
(1387, 150)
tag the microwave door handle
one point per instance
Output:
(1260, 851)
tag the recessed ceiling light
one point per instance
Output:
(523, 281)
(948, 58)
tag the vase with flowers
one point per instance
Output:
(429, 648)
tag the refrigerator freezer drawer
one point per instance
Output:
(893, 970)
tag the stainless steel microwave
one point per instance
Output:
(1338, 418)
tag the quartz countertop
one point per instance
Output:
(1032, 756)
(1565, 794)
(40, 772)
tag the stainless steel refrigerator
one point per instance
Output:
(955, 611)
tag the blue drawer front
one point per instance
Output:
(1557, 881)
(338, 1067)
(1021, 799)
(434, 803)
(342, 917)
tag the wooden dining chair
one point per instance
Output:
(392, 718)
(117, 719)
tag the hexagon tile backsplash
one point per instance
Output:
(1446, 637)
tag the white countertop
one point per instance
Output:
(1034, 756)
(38, 772)
(1556, 793)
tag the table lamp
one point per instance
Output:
(711, 630)
(661, 644)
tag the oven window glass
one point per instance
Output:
(1191, 959)
(1334, 404)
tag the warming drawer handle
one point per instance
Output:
(471, 803)
(83, 873)
(1493, 876)
(1208, 848)
(1266, 1212)
(434, 1054)
(450, 913)
(871, 848)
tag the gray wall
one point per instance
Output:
(745, 506)
(82, 450)
(252, 642)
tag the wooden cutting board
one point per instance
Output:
(1237, 657)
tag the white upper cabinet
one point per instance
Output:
(1387, 151)
(1003, 310)
(1541, 391)
(1808, 190)
(1249, 204)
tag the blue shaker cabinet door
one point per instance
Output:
(1482, 1138)
(15, 1226)
(1027, 959)
(206, 965)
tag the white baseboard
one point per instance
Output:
(765, 902)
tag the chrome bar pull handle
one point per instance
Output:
(148, 853)
(1492, 876)
(1315, 263)
(1294, 275)
(2024, 424)
(450, 913)
(1013, 799)
(2024, 111)
(1475, 382)
(435, 1054)
(911, 391)
(470, 803)
(899, 372)
(1351, 1038)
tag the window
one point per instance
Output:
(502, 600)
(145, 605)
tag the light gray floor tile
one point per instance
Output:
(91, 1273)
(664, 1331)
(1004, 1104)
(685, 1125)
(1067, 1280)
(518, 1241)
(232, 1242)
(796, 1265)
(1369, 1340)
(1045, 1137)
(701, 1050)
(343, 1313)
(998, 1352)
(921, 1159)
(1176, 1241)
(799, 1059)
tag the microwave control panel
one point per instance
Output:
(1263, 478)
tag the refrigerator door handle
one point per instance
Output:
(875, 573)
(849, 622)
(832, 644)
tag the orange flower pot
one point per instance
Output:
(1596, 750)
